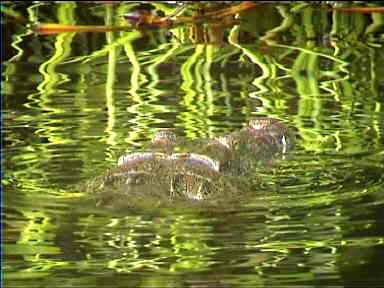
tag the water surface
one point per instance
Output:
(74, 102)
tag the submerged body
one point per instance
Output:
(205, 170)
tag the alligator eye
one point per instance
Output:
(135, 158)
(195, 160)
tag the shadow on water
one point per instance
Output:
(75, 102)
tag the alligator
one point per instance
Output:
(174, 169)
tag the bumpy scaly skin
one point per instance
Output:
(258, 143)
(213, 168)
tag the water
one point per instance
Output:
(73, 103)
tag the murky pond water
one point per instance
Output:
(74, 102)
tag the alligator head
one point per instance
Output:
(208, 169)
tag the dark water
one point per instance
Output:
(73, 103)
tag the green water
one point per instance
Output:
(74, 102)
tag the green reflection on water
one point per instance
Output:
(71, 112)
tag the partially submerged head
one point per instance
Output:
(210, 169)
